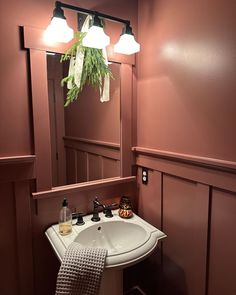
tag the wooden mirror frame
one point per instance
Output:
(33, 41)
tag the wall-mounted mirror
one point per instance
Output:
(124, 78)
(85, 136)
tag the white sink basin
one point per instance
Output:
(115, 236)
(127, 240)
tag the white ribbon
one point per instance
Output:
(105, 93)
(71, 71)
(78, 66)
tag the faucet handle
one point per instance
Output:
(95, 217)
(79, 217)
(107, 210)
(97, 203)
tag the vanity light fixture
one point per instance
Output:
(127, 43)
(59, 31)
(96, 38)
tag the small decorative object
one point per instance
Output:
(125, 208)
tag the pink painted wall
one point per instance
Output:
(186, 110)
(186, 77)
(88, 118)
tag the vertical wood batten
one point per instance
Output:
(42, 144)
(222, 258)
(185, 219)
(24, 237)
(126, 81)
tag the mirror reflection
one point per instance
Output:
(85, 136)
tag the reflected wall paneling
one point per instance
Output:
(94, 163)
(88, 160)
(110, 168)
(71, 165)
(82, 169)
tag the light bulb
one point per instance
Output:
(58, 31)
(127, 45)
(96, 38)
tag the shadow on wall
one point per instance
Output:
(146, 274)
(156, 275)
(173, 279)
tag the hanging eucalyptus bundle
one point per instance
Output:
(93, 72)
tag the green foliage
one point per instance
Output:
(94, 68)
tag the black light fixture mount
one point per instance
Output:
(58, 11)
(60, 5)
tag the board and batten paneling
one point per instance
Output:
(88, 160)
(222, 260)
(8, 280)
(194, 202)
(185, 219)
(16, 174)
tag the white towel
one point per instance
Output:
(81, 271)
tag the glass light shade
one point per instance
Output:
(58, 31)
(96, 38)
(127, 45)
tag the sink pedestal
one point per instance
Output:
(112, 282)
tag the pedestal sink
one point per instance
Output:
(127, 241)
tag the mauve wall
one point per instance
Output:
(186, 77)
(88, 118)
(186, 122)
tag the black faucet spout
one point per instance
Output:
(107, 210)
(96, 205)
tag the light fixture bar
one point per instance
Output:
(59, 4)
(59, 31)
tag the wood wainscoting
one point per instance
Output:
(193, 200)
(88, 160)
(16, 175)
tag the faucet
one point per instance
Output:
(106, 210)
(96, 205)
